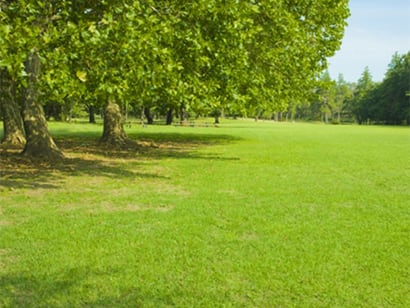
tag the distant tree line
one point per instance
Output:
(364, 102)
(330, 101)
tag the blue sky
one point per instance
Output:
(376, 30)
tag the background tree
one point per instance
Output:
(326, 92)
(342, 95)
(384, 102)
(362, 100)
(392, 104)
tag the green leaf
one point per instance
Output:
(82, 76)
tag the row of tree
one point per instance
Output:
(386, 102)
(366, 101)
(203, 55)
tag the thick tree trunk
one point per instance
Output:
(12, 121)
(13, 125)
(114, 133)
(39, 143)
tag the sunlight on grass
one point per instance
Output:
(245, 214)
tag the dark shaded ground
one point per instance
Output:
(85, 155)
(29, 290)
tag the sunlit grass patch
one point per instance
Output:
(246, 214)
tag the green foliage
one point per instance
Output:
(385, 102)
(326, 91)
(330, 101)
(368, 102)
(210, 217)
(361, 102)
(393, 105)
(207, 55)
(343, 94)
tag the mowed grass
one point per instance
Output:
(243, 215)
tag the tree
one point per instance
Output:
(342, 95)
(385, 102)
(198, 55)
(393, 104)
(39, 142)
(23, 33)
(326, 92)
(362, 99)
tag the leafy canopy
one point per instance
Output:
(205, 54)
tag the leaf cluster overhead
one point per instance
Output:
(205, 54)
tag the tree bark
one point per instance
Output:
(114, 133)
(91, 113)
(148, 115)
(12, 121)
(182, 114)
(40, 144)
(170, 116)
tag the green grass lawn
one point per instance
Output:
(244, 215)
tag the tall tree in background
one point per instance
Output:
(326, 92)
(384, 102)
(362, 100)
(342, 95)
(393, 105)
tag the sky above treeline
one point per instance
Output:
(377, 29)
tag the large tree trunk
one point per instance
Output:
(114, 133)
(12, 121)
(39, 144)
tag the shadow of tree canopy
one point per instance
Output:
(26, 290)
(86, 155)
(54, 289)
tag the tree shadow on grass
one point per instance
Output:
(60, 289)
(52, 289)
(19, 172)
(150, 145)
(86, 156)
(145, 146)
